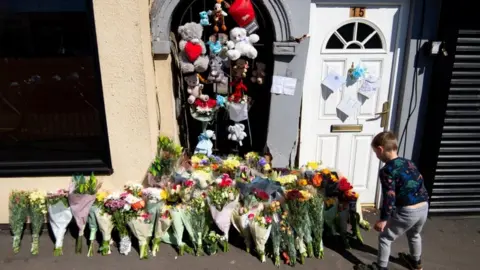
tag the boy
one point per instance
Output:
(405, 203)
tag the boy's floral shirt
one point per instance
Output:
(402, 185)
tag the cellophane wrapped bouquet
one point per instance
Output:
(195, 219)
(154, 198)
(230, 165)
(18, 208)
(211, 242)
(289, 250)
(116, 206)
(38, 210)
(59, 216)
(162, 225)
(260, 228)
(163, 166)
(222, 200)
(274, 210)
(81, 198)
(105, 222)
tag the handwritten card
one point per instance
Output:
(369, 87)
(283, 85)
(333, 81)
(349, 106)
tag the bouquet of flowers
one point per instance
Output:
(202, 177)
(81, 198)
(59, 216)
(38, 209)
(241, 223)
(93, 226)
(105, 223)
(175, 235)
(223, 199)
(211, 243)
(195, 219)
(154, 198)
(168, 155)
(275, 211)
(204, 108)
(230, 165)
(18, 208)
(163, 223)
(315, 209)
(116, 206)
(260, 227)
(254, 160)
(299, 219)
(141, 227)
(200, 162)
(289, 251)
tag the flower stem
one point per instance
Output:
(90, 249)
(105, 248)
(277, 260)
(310, 249)
(143, 251)
(155, 246)
(16, 244)
(58, 252)
(35, 245)
(79, 244)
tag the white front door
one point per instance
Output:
(374, 42)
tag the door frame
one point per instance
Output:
(398, 62)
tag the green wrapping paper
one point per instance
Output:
(93, 226)
(175, 234)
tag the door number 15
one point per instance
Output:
(357, 12)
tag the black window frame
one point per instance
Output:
(98, 160)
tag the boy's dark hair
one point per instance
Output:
(387, 140)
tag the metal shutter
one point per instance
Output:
(456, 186)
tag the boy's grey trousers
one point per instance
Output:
(404, 220)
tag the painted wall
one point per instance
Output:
(123, 34)
(283, 128)
(410, 117)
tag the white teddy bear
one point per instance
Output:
(241, 45)
(237, 133)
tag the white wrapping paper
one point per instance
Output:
(59, 217)
(174, 236)
(223, 218)
(162, 226)
(260, 236)
(105, 224)
(141, 230)
(241, 223)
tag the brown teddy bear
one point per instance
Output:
(259, 74)
(240, 69)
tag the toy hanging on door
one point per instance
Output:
(259, 73)
(218, 17)
(216, 72)
(238, 92)
(237, 133)
(355, 73)
(243, 14)
(240, 69)
(205, 144)
(194, 89)
(214, 45)
(241, 44)
(204, 18)
(192, 48)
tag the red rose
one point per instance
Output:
(294, 195)
(189, 183)
(268, 220)
(211, 103)
(251, 216)
(344, 185)
(262, 195)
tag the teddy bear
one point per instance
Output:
(237, 133)
(216, 73)
(204, 18)
(205, 144)
(240, 69)
(240, 44)
(192, 48)
(194, 89)
(259, 73)
(218, 17)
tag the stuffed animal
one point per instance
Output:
(205, 144)
(204, 18)
(259, 74)
(237, 133)
(216, 73)
(218, 16)
(240, 69)
(192, 48)
(215, 46)
(240, 44)
(239, 89)
(194, 89)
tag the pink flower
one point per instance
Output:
(251, 216)
(189, 183)
(268, 220)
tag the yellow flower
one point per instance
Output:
(101, 196)
(196, 159)
(287, 179)
(163, 194)
(303, 182)
(306, 195)
(326, 171)
(333, 177)
(313, 165)
(329, 201)
(267, 167)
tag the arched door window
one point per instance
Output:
(354, 36)
(257, 125)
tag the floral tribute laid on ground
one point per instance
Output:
(195, 203)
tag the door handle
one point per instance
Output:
(384, 114)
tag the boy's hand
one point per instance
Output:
(380, 225)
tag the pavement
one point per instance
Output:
(449, 243)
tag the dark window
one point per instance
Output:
(364, 35)
(52, 115)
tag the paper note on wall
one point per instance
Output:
(333, 81)
(369, 87)
(283, 85)
(349, 106)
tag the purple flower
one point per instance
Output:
(204, 162)
(262, 162)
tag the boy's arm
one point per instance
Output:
(388, 192)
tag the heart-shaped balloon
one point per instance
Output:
(193, 51)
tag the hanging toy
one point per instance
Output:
(356, 73)
(218, 17)
(259, 73)
(240, 69)
(243, 14)
(237, 133)
(205, 144)
(221, 101)
(238, 92)
(216, 72)
(214, 45)
(192, 48)
(204, 18)
(240, 44)
(194, 89)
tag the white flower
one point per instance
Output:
(126, 207)
(231, 196)
(224, 194)
(218, 180)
